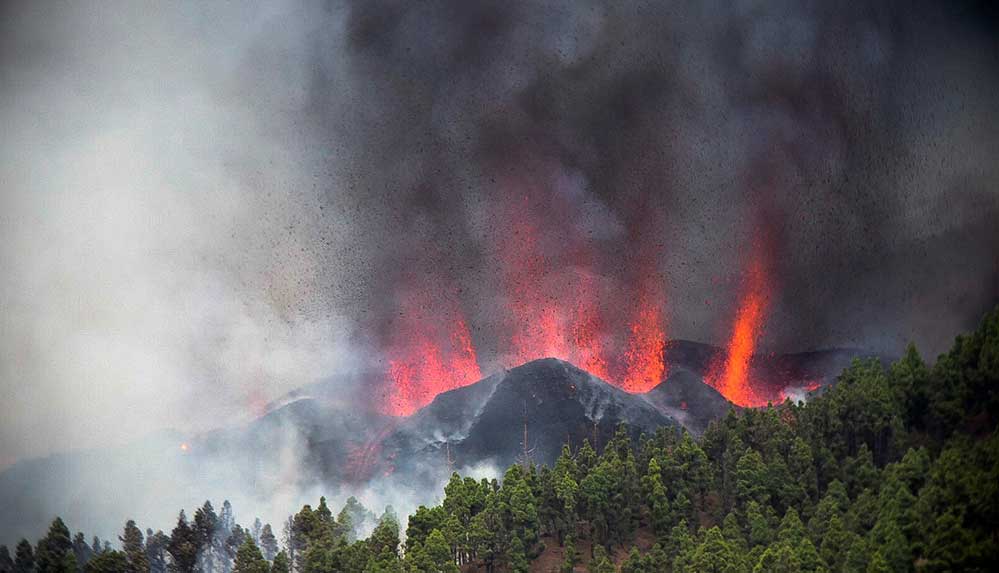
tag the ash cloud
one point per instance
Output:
(206, 206)
(855, 137)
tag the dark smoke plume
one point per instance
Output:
(858, 138)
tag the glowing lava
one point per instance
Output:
(538, 327)
(432, 353)
(590, 354)
(732, 377)
(645, 365)
(549, 287)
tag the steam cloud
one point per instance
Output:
(204, 207)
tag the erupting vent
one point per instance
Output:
(731, 376)
(551, 302)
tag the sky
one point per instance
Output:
(206, 205)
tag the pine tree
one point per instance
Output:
(857, 557)
(489, 532)
(801, 465)
(281, 564)
(750, 479)
(6, 561)
(569, 555)
(183, 547)
(601, 563)
(878, 564)
(733, 533)
(586, 459)
(24, 557)
(808, 556)
(249, 559)
(656, 499)
(53, 549)
(232, 544)
(892, 544)
(715, 555)
(523, 513)
(258, 528)
(320, 556)
(224, 543)
(81, 550)
(759, 529)
(910, 379)
(778, 558)
(205, 527)
(596, 490)
(156, 547)
(516, 557)
(835, 544)
(565, 508)
(833, 504)
(268, 543)
(306, 528)
(791, 531)
(680, 546)
(107, 562)
(657, 560)
(634, 563)
(438, 553)
(359, 516)
(950, 546)
(385, 537)
(134, 548)
(422, 522)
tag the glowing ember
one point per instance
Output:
(588, 348)
(537, 325)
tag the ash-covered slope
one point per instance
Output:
(685, 397)
(485, 422)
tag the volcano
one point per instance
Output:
(321, 436)
(530, 411)
(686, 398)
(525, 413)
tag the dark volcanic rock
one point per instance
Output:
(685, 397)
(485, 422)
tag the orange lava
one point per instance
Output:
(588, 348)
(432, 353)
(551, 290)
(645, 365)
(538, 327)
(732, 377)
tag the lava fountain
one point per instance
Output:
(732, 375)
(431, 352)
